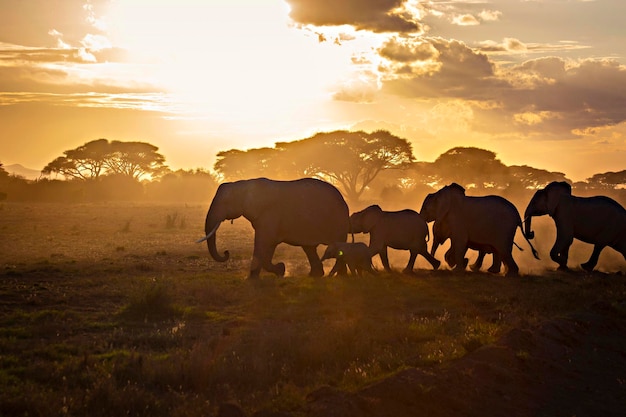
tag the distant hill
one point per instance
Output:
(17, 169)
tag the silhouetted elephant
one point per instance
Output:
(598, 220)
(441, 233)
(488, 220)
(403, 229)
(355, 255)
(305, 212)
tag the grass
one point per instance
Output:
(98, 321)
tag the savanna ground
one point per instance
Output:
(113, 309)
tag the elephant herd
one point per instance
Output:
(309, 212)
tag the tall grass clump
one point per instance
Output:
(152, 302)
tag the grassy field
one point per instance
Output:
(112, 309)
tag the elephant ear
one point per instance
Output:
(555, 192)
(257, 198)
(449, 197)
(371, 216)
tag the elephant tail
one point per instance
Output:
(532, 248)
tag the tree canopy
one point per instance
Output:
(470, 167)
(350, 160)
(235, 164)
(532, 178)
(366, 167)
(101, 156)
(608, 180)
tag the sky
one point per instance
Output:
(538, 82)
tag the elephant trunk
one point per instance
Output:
(533, 209)
(210, 227)
(427, 211)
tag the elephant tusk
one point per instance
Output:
(211, 233)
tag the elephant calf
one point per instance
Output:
(355, 255)
(403, 229)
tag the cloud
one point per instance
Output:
(512, 46)
(587, 93)
(157, 102)
(358, 90)
(372, 15)
(490, 15)
(404, 50)
(461, 13)
(465, 20)
(449, 69)
(507, 45)
(549, 96)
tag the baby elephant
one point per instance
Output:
(356, 255)
(404, 229)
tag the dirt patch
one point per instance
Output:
(574, 366)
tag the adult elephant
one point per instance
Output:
(487, 220)
(305, 212)
(598, 220)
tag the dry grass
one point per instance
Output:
(112, 309)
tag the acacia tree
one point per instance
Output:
(351, 160)
(235, 164)
(135, 159)
(534, 178)
(99, 157)
(472, 168)
(88, 161)
(608, 180)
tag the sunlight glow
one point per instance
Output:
(230, 60)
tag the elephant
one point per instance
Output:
(487, 220)
(304, 212)
(404, 229)
(441, 233)
(355, 255)
(598, 220)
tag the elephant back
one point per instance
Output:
(492, 205)
(313, 211)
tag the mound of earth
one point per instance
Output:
(572, 366)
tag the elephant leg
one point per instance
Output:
(593, 260)
(340, 268)
(459, 247)
(560, 251)
(385, 258)
(411, 264)
(449, 257)
(479, 261)
(496, 264)
(512, 268)
(434, 248)
(560, 257)
(430, 258)
(262, 258)
(317, 269)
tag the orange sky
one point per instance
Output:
(541, 83)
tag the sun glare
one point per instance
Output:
(230, 58)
